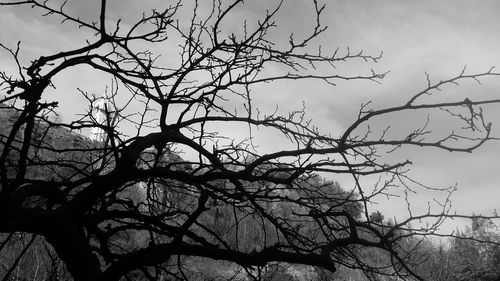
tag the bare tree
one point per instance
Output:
(130, 206)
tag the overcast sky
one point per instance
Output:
(438, 37)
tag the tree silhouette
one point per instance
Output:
(130, 206)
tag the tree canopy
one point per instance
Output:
(130, 205)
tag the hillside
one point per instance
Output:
(55, 152)
(62, 156)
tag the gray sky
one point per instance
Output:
(438, 37)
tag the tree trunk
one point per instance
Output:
(72, 247)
